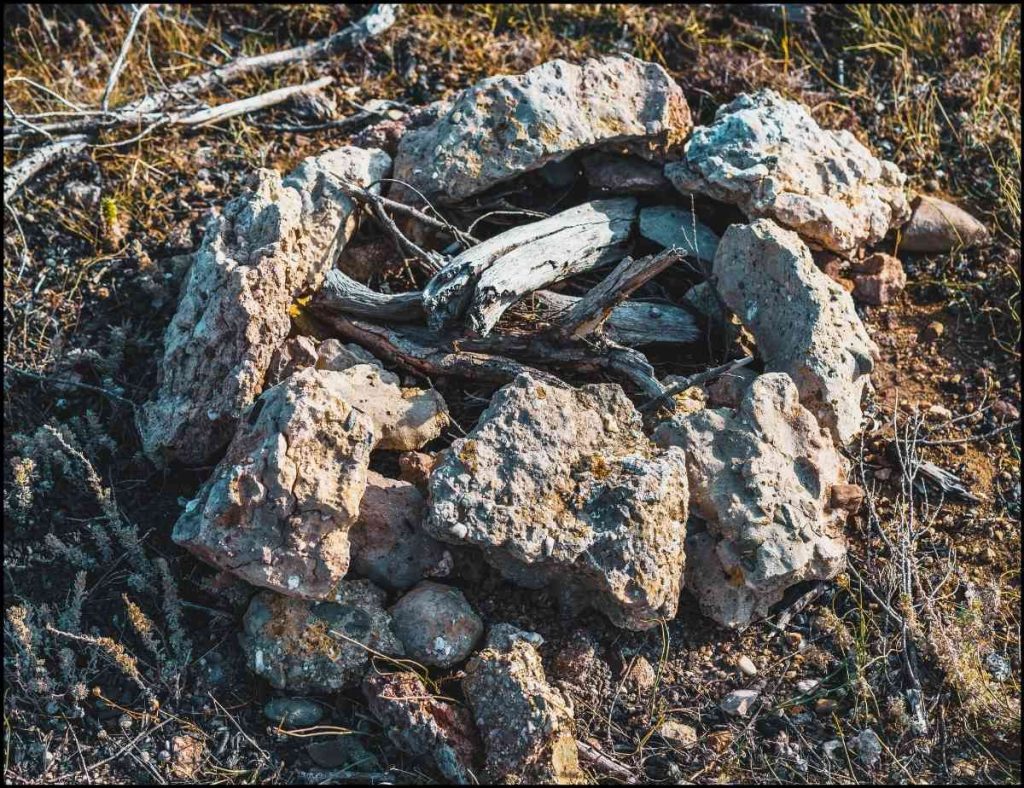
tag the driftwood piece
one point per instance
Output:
(632, 323)
(480, 284)
(592, 310)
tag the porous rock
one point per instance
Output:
(436, 624)
(804, 323)
(727, 390)
(278, 508)
(526, 724)
(387, 542)
(300, 352)
(769, 157)
(504, 126)
(939, 226)
(306, 646)
(263, 250)
(557, 484)
(421, 724)
(878, 279)
(415, 467)
(761, 479)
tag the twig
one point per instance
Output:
(115, 72)
(597, 758)
(242, 106)
(695, 380)
(57, 381)
(971, 439)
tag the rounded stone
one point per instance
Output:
(436, 624)
(293, 712)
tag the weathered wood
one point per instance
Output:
(341, 293)
(634, 323)
(250, 104)
(39, 159)
(676, 228)
(480, 284)
(592, 310)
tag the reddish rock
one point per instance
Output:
(436, 624)
(415, 467)
(846, 496)
(878, 279)
(938, 226)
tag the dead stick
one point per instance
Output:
(591, 311)
(596, 758)
(115, 72)
(242, 106)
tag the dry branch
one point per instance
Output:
(590, 312)
(22, 171)
(115, 72)
(251, 104)
(483, 281)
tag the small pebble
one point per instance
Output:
(746, 666)
(824, 706)
(738, 702)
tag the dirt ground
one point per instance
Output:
(121, 657)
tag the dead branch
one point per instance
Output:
(599, 760)
(483, 281)
(592, 310)
(342, 294)
(252, 104)
(115, 72)
(24, 170)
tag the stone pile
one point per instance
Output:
(736, 497)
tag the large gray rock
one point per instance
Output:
(761, 479)
(278, 508)
(768, 156)
(939, 226)
(388, 544)
(421, 724)
(561, 485)
(507, 125)
(525, 723)
(436, 624)
(804, 323)
(303, 646)
(264, 249)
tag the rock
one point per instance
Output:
(186, 757)
(738, 702)
(263, 250)
(674, 227)
(831, 748)
(768, 156)
(505, 126)
(703, 298)
(436, 624)
(726, 391)
(332, 354)
(294, 355)
(846, 496)
(526, 725)
(933, 331)
(868, 747)
(561, 485)
(277, 509)
(611, 174)
(291, 642)
(578, 664)
(678, 735)
(761, 480)
(878, 279)
(938, 226)
(82, 195)
(998, 666)
(415, 467)
(835, 268)
(421, 724)
(1004, 410)
(387, 543)
(803, 322)
(746, 665)
(807, 686)
(640, 676)
(293, 712)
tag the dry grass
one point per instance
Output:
(87, 293)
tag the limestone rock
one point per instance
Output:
(295, 354)
(277, 509)
(291, 642)
(436, 624)
(298, 353)
(420, 724)
(804, 323)
(726, 391)
(938, 226)
(508, 125)
(878, 279)
(768, 156)
(761, 479)
(387, 542)
(611, 174)
(557, 484)
(526, 724)
(674, 227)
(264, 249)
(334, 355)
